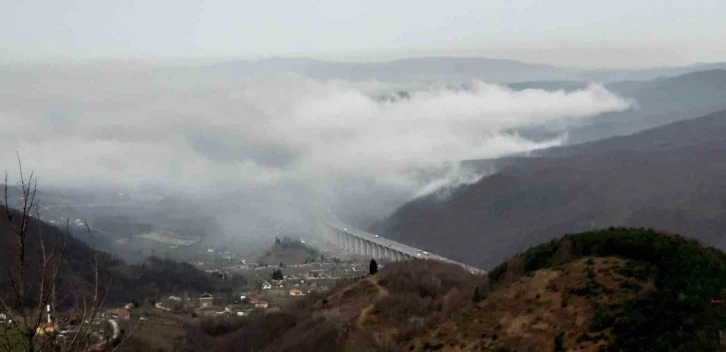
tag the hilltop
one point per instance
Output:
(609, 290)
(288, 251)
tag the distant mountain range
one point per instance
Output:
(670, 177)
(446, 68)
(656, 102)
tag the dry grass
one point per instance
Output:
(429, 306)
(528, 314)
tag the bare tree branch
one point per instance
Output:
(26, 304)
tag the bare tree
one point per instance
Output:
(32, 305)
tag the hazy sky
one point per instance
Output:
(615, 33)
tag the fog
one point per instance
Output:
(266, 148)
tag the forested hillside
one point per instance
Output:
(669, 177)
(77, 276)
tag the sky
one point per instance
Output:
(575, 33)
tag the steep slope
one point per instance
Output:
(683, 134)
(76, 277)
(669, 177)
(608, 290)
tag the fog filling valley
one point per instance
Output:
(266, 149)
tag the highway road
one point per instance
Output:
(329, 219)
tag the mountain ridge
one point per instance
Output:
(530, 200)
(489, 69)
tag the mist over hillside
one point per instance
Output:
(362, 176)
(667, 178)
(254, 152)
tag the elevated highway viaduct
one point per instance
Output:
(371, 245)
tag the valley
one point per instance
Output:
(342, 176)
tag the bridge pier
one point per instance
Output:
(368, 245)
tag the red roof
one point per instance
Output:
(123, 313)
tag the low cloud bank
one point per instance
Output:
(362, 147)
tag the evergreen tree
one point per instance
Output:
(477, 296)
(373, 267)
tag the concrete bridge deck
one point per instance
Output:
(364, 243)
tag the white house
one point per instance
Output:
(206, 300)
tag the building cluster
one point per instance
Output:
(103, 329)
(175, 303)
(259, 303)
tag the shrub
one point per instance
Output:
(687, 276)
(496, 274)
(558, 345)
